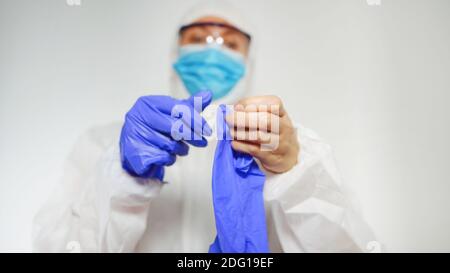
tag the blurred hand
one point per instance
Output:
(261, 127)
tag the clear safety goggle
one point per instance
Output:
(215, 33)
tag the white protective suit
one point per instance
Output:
(98, 207)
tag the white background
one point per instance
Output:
(373, 81)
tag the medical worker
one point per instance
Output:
(132, 187)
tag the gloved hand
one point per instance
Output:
(146, 142)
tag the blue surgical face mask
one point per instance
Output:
(209, 68)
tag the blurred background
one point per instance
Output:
(372, 77)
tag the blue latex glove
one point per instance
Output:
(146, 145)
(237, 186)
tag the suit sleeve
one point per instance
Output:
(96, 206)
(309, 209)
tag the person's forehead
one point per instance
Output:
(217, 20)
